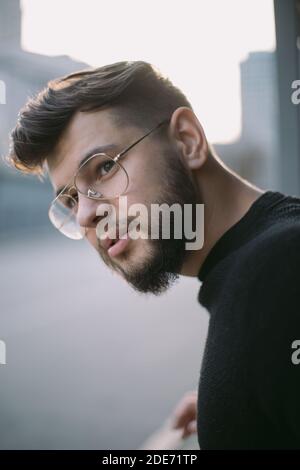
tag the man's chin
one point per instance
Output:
(147, 281)
(146, 274)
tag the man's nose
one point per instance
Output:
(87, 211)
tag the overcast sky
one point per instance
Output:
(197, 43)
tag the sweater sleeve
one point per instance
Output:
(275, 348)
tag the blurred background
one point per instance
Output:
(91, 363)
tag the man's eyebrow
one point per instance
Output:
(98, 149)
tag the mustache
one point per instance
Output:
(117, 228)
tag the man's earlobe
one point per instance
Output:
(197, 159)
(198, 154)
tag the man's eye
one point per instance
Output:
(70, 202)
(105, 167)
(74, 196)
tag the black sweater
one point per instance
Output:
(249, 387)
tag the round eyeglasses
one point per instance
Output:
(101, 176)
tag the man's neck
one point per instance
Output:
(226, 197)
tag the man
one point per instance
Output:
(124, 129)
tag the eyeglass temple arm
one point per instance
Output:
(132, 145)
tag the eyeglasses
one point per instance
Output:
(101, 176)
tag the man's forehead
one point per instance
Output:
(86, 132)
(81, 130)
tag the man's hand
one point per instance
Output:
(184, 415)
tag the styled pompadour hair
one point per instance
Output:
(135, 91)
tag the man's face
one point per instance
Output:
(156, 175)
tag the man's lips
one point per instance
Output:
(119, 246)
(114, 245)
(106, 243)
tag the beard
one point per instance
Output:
(163, 257)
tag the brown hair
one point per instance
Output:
(136, 91)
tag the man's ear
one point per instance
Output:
(188, 136)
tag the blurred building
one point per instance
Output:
(255, 154)
(287, 24)
(23, 199)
